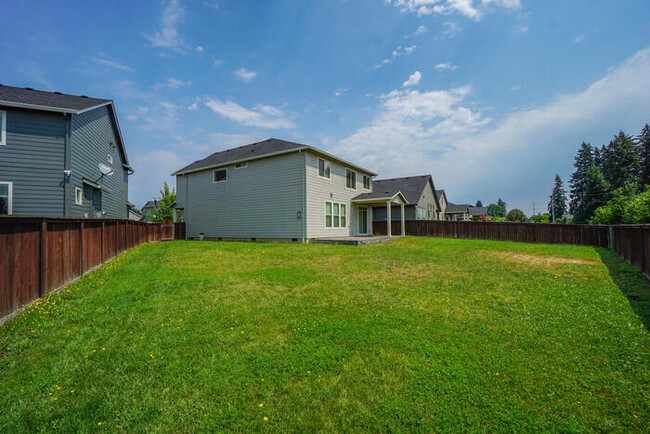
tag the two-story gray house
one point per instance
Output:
(275, 189)
(61, 155)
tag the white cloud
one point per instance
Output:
(452, 28)
(436, 132)
(398, 52)
(174, 83)
(167, 36)
(446, 67)
(579, 39)
(155, 113)
(193, 107)
(199, 49)
(340, 91)
(413, 80)
(245, 75)
(217, 63)
(421, 30)
(262, 116)
(111, 64)
(446, 7)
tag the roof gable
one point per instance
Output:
(411, 186)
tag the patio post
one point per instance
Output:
(403, 221)
(388, 218)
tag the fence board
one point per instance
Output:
(38, 255)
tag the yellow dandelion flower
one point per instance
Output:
(266, 418)
(103, 349)
(261, 405)
(99, 423)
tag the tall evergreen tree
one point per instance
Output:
(479, 203)
(598, 160)
(596, 194)
(584, 159)
(643, 140)
(557, 202)
(502, 204)
(621, 161)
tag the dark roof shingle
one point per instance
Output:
(53, 100)
(410, 186)
(452, 207)
(268, 146)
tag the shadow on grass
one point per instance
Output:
(631, 281)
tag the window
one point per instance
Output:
(328, 214)
(336, 215)
(351, 179)
(366, 182)
(6, 198)
(421, 214)
(241, 165)
(3, 128)
(220, 175)
(78, 196)
(324, 169)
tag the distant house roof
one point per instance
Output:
(265, 148)
(478, 210)
(410, 186)
(149, 204)
(456, 208)
(28, 98)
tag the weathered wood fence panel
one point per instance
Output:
(632, 243)
(38, 255)
(590, 235)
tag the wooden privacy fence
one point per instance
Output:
(39, 254)
(631, 242)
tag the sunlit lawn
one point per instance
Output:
(415, 334)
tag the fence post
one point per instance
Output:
(610, 242)
(41, 260)
(101, 245)
(81, 247)
(126, 235)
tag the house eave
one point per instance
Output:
(49, 108)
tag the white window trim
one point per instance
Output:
(3, 128)
(242, 165)
(10, 206)
(347, 214)
(217, 170)
(78, 192)
(318, 169)
(356, 179)
(363, 177)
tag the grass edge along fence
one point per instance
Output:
(631, 242)
(41, 254)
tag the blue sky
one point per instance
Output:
(490, 96)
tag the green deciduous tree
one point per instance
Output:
(644, 150)
(163, 208)
(540, 218)
(503, 206)
(584, 159)
(625, 207)
(516, 215)
(557, 202)
(494, 210)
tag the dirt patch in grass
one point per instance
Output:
(526, 258)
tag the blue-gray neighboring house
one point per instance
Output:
(61, 155)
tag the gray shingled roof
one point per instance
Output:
(54, 100)
(410, 186)
(452, 207)
(268, 146)
(478, 210)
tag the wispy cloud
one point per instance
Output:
(446, 67)
(421, 30)
(398, 52)
(111, 64)
(451, 29)
(340, 91)
(175, 83)
(168, 36)
(262, 116)
(245, 75)
(446, 7)
(217, 63)
(579, 39)
(413, 80)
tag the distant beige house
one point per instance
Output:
(276, 189)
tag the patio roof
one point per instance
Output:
(379, 197)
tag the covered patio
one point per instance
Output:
(379, 198)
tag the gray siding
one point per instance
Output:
(259, 201)
(428, 203)
(92, 135)
(321, 190)
(33, 161)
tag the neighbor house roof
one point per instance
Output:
(28, 98)
(410, 186)
(478, 210)
(265, 148)
(453, 208)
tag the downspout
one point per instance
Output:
(66, 165)
(303, 193)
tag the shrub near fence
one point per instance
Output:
(39, 254)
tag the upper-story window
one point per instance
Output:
(3, 128)
(241, 165)
(5, 198)
(220, 175)
(366, 182)
(324, 168)
(350, 179)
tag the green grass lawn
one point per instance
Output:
(415, 334)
